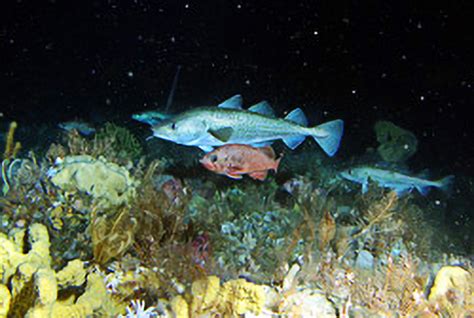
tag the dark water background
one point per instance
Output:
(361, 61)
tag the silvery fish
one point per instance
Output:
(396, 181)
(82, 127)
(151, 117)
(209, 127)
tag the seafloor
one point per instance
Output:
(108, 225)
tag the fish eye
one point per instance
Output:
(213, 158)
(173, 126)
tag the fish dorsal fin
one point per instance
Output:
(262, 108)
(268, 151)
(297, 116)
(235, 102)
(223, 134)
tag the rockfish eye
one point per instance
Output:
(173, 126)
(213, 158)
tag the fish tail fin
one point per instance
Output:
(328, 135)
(446, 183)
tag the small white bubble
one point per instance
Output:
(405, 146)
(354, 91)
(247, 82)
(422, 97)
(437, 202)
(130, 74)
(239, 6)
(186, 6)
(315, 33)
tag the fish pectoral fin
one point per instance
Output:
(222, 134)
(268, 151)
(259, 175)
(233, 169)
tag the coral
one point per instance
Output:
(112, 235)
(20, 174)
(247, 227)
(396, 144)
(179, 307)
(137, 310)
(448, 280)
(123, 143)
(5, 299)
(36, 290)
(108, 183)
(239, 296)
(326, 230)
(307, 303)
(11, 147)
(231, 299)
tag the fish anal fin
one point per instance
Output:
(234, 176)
(235, 102)
(222, 134)
(294, 141)
(262, 108)
(259, 175)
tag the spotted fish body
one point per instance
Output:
(209, 127)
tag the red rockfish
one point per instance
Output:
(235, 160)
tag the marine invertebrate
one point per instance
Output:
(20, 173)
(112, 235)
(136, 309)
(450, 280)
(231, 299)
(396, 144)
(124, 145)
(11, 147)
(35, 289)
(108, 183)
